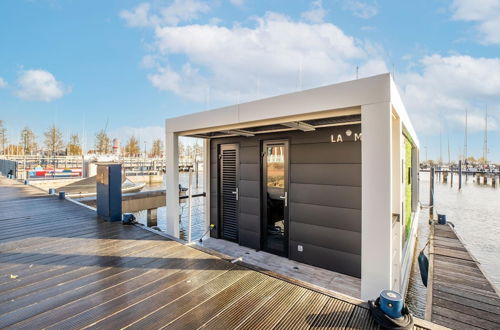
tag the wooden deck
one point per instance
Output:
(459, 295)
(62, 268)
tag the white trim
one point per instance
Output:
(376, 199)
(172, 183)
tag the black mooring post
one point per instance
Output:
(431, 196)
(459, 175)
(451, 179)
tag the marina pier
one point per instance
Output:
(61, 267)
(459, 295)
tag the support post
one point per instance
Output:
(206, 181)
(451, 179)
(152, 217)
(376, 198)
(460, 175)
(190, 201)
(172, 183)
(431, 195)
(196, 171)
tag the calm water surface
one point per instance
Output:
(475, 211)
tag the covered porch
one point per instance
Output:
(361, 193)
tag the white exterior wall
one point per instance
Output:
(397, 199)
(376, 199)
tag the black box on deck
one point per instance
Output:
(109, 191)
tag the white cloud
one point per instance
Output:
(239, 63)
(3, 83)
(486, 13)
(238, 3)
(446, 86)
(360, 9)
(145, 14)
(39, 85)
(139, 16)
(316, 14)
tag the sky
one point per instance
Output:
(126, 66)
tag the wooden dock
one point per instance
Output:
(459, 296)
(62, 268)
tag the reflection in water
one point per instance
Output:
(475, 212)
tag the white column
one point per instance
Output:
(206, 180)
(397, 207)
(172, 183)
(376, 213)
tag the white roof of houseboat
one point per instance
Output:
(338, 100)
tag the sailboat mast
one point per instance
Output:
(485, 145)
(449, 158)
(465, 138)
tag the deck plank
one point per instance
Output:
(76, 271)
(460, 295)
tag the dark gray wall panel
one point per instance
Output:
(326, 153)
(337, 261)
(324, 135)
(337, 196)
(250, 222)
(332, 217)
(250, 172)
(249, 205)
(249, 188)
(250, 155)
(329, 238)
(325, 195)
(250, 239)
(329, 174)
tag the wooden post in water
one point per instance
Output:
(431, 195)
(152, 217)
(460, 175)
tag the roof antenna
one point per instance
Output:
(300, 73)
(357, 72)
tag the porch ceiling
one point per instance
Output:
(304, 125)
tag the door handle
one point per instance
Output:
(236, 192)
(285, 198)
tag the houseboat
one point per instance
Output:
(326, 177)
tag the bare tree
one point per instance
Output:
(13, 149)
(132, 147)
(102, 142)
(3, 136)
(156, 150)
(53, 140)
(28, 141)
(74, 147)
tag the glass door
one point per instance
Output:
(275, 197)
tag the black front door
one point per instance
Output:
(228, 191)
(275, 197)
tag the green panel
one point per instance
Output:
(408, 188)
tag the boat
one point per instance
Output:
(87, 187)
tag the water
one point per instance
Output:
(475, 211)
(198, 212)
